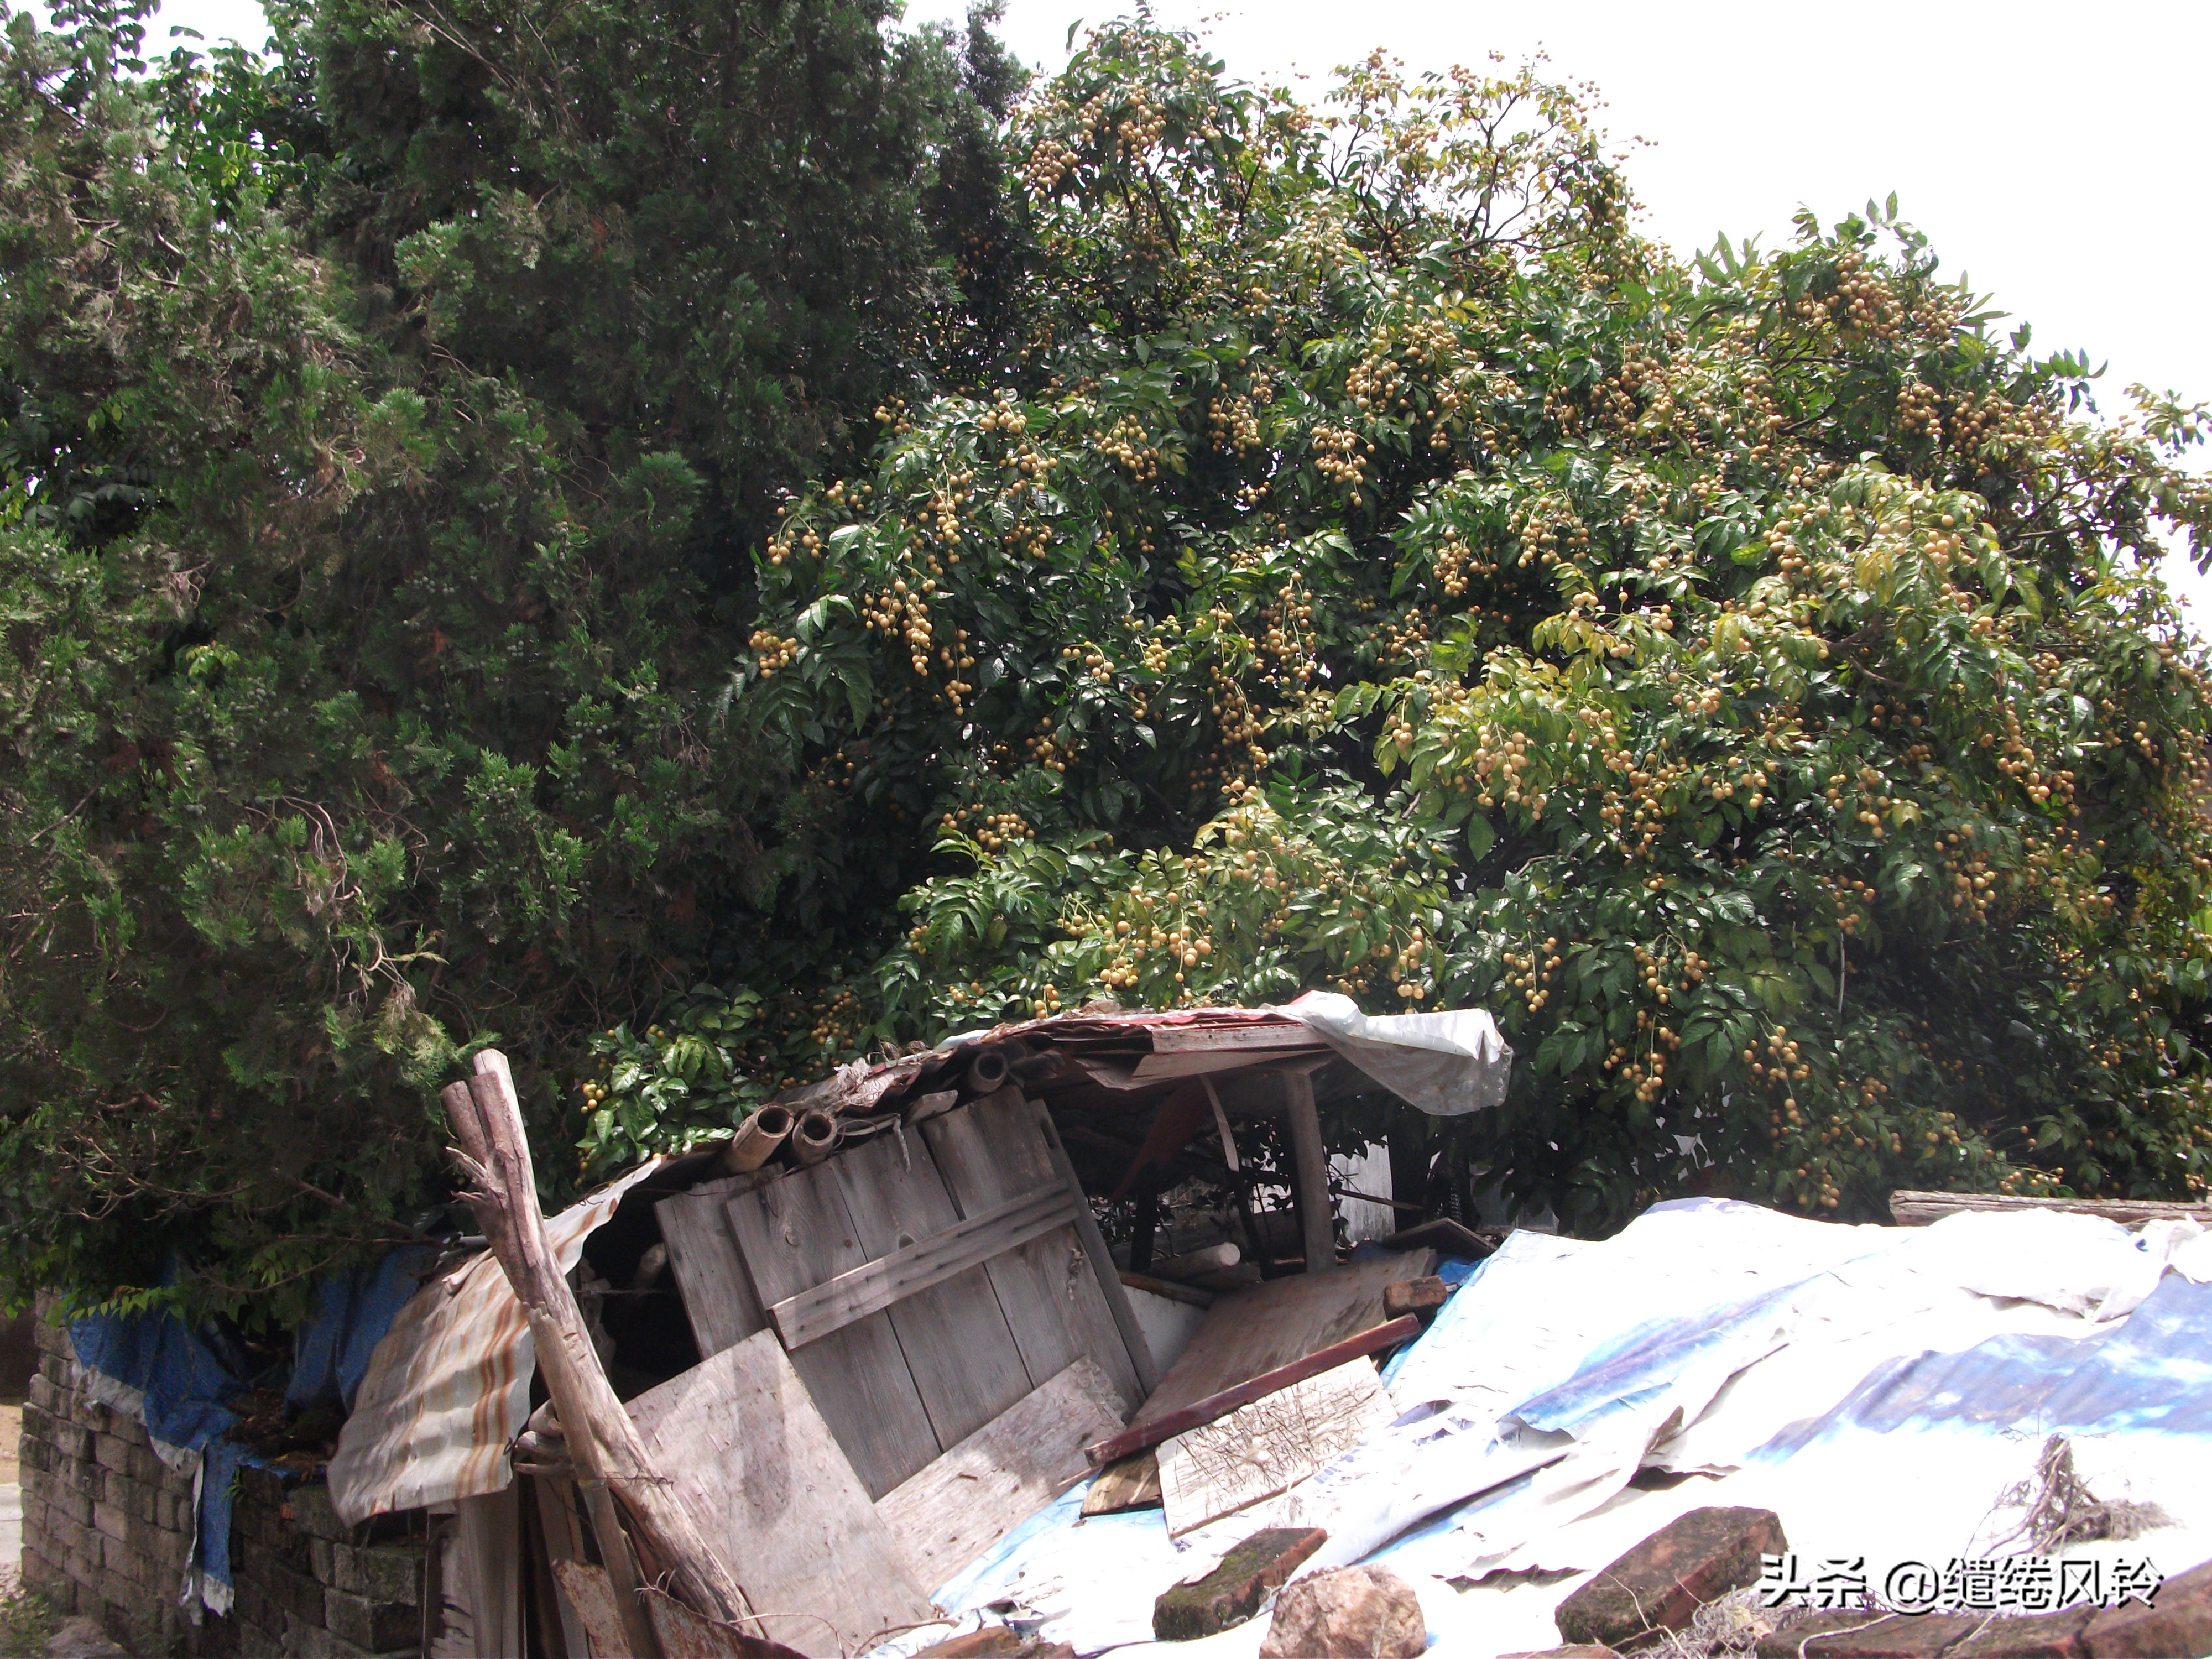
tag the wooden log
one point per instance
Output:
(1199, 1413)
(1918, 1209)
(1310, 1171)
(495, 1154)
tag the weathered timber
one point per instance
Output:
(1140, 1436)
(1309, 1168)
(1102, 1260)
(989, 1153)
(950, 1326)
(951, 1512)
(900, 1273)
(495, 1155)
(710, 1276)
(1918, 1209)
(745, 1447)
(795, 1233)
(1248, 1333)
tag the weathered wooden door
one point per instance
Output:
(923, 1281)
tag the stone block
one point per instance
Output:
(382, 1572)
(127, 1429)
(260, 1489)
(1658, 1585)
(259, 1644)
(286, 1550)
(172, 1551)
(81, 1639)
(1233, 1591)
(1350, 1613)
(112, 1452)
(2178, 1621)
(62, 1498)
(312, 1513)
(372, 1626)
(146, 1468)
(40, 1397)
(304, 1641)
(299, 1596)
(1415, 1296)
(111, 1521)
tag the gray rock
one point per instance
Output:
(1350, 1613)
(81, 1638)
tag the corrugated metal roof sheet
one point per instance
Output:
(449, 1386)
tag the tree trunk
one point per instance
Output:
(488, 1120)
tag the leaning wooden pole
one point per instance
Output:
(487, 1118)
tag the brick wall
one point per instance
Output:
(107, 1532)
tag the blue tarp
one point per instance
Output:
(353, 1310)
(155, 1364)
(178, 1383)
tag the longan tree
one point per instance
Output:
(1376, 567)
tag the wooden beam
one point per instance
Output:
(495, 1154)
(853, 1295)
(1918, 1209)
(1144, 1436)
(1309, 1172)
(1102, 1260)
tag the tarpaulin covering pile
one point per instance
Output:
(1880, 1388)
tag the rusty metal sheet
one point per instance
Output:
(449, 1386)
(591, 1595)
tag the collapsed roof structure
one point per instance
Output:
(885, 1380)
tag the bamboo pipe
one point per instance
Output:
(816, 1136)
(757, 1139)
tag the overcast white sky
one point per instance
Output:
(2052, 153)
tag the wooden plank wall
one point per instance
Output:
(913, 1374)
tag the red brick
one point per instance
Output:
(2045, 1635)
(1657, 1586)
(2177, 1624)
(1233, 1591)
(1892, 1635)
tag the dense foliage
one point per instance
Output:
(509, 526)
(383, 441)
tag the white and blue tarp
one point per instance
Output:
(180, 1383)
(1880, 1389)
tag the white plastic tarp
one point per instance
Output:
(1878, 1388)
(1448, 1063)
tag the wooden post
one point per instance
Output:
(1316, 1222)
(488, 1120)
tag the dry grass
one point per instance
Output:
(2057, 1508)
(27, 1619)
